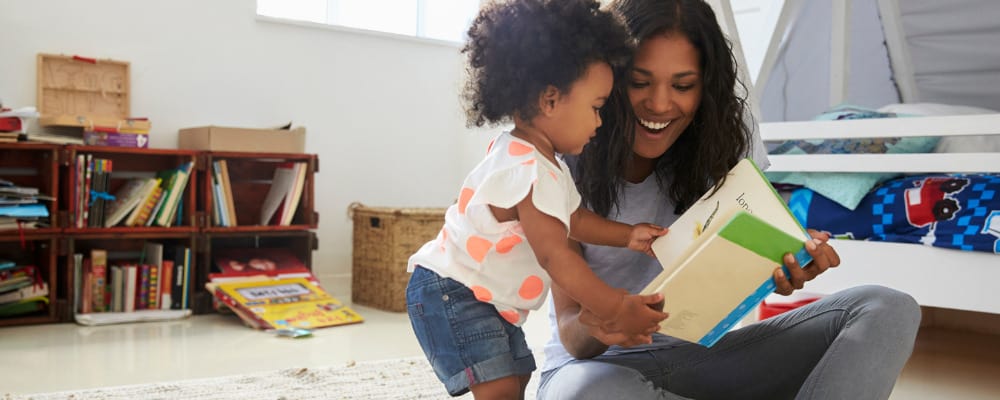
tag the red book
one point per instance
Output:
(166, 280)
(99, 271)
(273, 262)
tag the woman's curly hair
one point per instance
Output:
(716, 138)
(518, 48)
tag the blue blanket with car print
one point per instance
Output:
(958, 211)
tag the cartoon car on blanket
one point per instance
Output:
(928, 201)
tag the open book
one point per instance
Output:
(719, 256)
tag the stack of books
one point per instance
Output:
(20, 207)
(13, 123)
(22, 290)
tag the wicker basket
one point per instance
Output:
(384, 239)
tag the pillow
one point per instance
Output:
(951, 144)
(846, 188)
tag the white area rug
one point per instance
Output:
(408, 378)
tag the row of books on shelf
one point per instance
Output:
(21, 207)
(22, 289)
(145, 201)
(126, 285)
(279, 204)
(270, 288)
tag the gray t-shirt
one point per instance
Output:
(621, 267)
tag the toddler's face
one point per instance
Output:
(577, 114)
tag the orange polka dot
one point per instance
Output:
(518, 149)
(508, 243)
(482, 294)
(511, 316)
(444, 238)
(531, 287)
(463, 199)
(490, 147)
(529, 162)
(554, 176)
(478, 247)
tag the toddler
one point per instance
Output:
(546, 66)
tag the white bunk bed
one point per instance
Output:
(937, 277)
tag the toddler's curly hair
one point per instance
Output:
(517, 48)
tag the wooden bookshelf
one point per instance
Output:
(34, 165)
(131, 163)
(52, 168)
(250, 175)
(41, 251)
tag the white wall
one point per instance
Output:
(382, 113)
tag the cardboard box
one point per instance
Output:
(220, 138)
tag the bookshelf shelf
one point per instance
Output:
(53, 169)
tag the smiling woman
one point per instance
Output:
(433, 19)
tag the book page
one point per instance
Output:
(746, 189)
(709, 287)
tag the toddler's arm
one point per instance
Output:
(588, 227)
(548, 239)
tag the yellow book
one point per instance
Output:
(287, 303)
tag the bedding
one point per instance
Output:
(958, 211)
(846, 188)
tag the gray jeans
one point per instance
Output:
(849, 345)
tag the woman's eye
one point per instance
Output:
(683, 88)
(638, 84)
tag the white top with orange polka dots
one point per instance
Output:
(493, 258)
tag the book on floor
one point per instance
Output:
(284, 303)
(719, 256)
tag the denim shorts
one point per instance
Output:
(466, 340)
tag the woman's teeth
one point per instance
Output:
(653, 125)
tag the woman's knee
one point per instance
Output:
(892, 306)
(595, 380)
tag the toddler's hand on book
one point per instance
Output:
(642, 236)
(636, 315)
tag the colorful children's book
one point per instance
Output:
(719, 256)
(286, 303)
(242, 262)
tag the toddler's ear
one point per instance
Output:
(547, 99)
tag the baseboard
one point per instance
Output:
(960, 320)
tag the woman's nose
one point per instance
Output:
(660, 101)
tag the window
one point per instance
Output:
(435, 19)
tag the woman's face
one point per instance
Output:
(665, 90)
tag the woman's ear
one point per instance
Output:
(547, 100)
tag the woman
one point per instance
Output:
(673, 126)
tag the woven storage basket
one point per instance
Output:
(384, 239)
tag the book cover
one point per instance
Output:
(99, 266)
(145, 204)
(27, 292)
(127, 198)
(289, 303)
(242, 262)
(178, 181)
(706, 267)
(227, 190)
(281, 185)
(166, 283)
